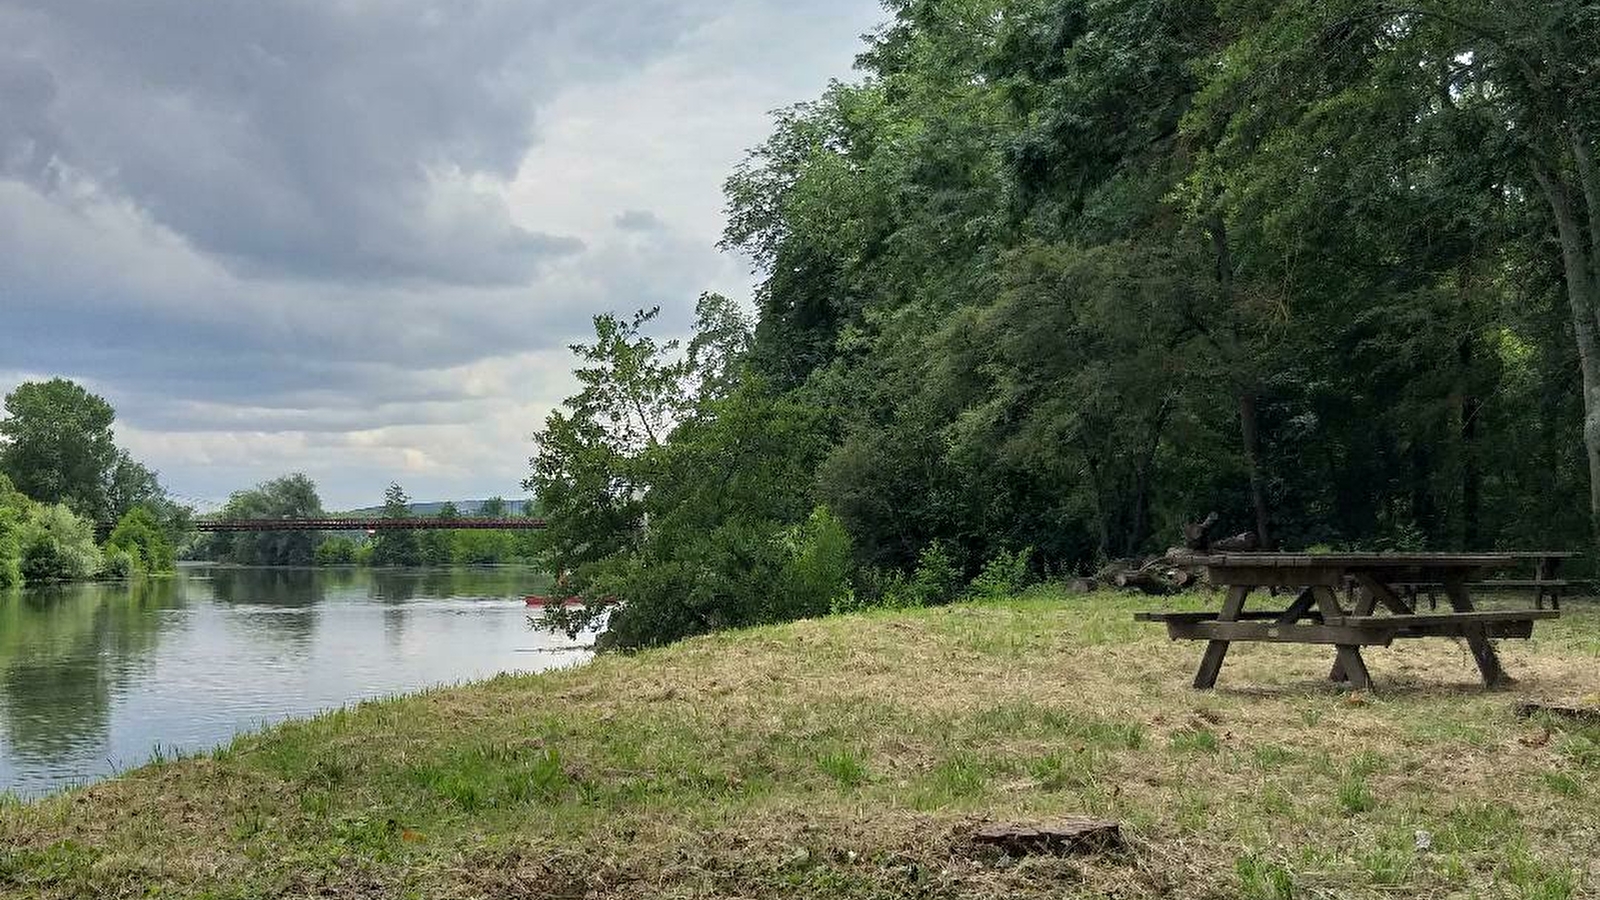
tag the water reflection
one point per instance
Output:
(93, 677)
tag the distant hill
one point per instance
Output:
(467, 508)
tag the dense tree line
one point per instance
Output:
(1056, 276)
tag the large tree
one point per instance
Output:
(56, 445)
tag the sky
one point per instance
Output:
(353, 238)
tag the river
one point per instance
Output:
(98, 678)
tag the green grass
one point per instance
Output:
(850, 757)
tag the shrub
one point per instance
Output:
(336, 551)
(935, 582)
(815, 577)
(10, 548)
(13, 518)
(58, 546)
(140, 536)
(121, 564)
(1004, 575)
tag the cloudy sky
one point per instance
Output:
(354, 237)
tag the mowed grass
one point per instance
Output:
(852, 756)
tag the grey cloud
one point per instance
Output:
(638, 220)
(313, 139)
(261, 227)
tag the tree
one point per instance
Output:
(130, 484)
(437, 548)
(139, 534)
(56, 445)
(397, 547)
(288, 497)
(492, 508)
(588, 471)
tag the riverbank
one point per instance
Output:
(849, 757)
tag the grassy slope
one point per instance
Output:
(848, 757)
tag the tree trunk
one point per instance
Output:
(1140, 517)
(1580, 294)
(1249, 431)
(1590, 180)
(1249, 425)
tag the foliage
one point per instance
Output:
(57, 444)
(288, 497)
(1004, 575)
(336, 551)
(13, 517)
(121, 563)
(139, 534)
(58, 545)
(396, 548)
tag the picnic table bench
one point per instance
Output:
(1316, 616)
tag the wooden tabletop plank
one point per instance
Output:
(1305, 560)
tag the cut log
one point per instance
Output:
(1239, 543)
(1149, 581)
(1063, 837)
(1197, 535)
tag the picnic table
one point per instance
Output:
(1317, 616)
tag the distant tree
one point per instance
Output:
(289, 497)
(139, 534)
(56, 445)
(492, 508)
(436, 548)
(396, 548)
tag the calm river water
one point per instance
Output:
(95, 678)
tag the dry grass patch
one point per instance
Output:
(850, 757)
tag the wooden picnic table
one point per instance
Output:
(1316, 616)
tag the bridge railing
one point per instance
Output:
(363, 524)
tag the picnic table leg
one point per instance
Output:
(1482, 649)
(1216, 651)
(1348, 664)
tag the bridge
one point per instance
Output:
(431, 523)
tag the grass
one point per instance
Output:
(849, 757)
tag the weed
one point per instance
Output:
(1261, 879)
(1355, 796)
(959, 777)
(1561, 784)
(1387, 865)
(844, 766)
(1195, 740)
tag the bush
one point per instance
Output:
(139, 534)
(935, 582)
(121, 564)
(815, 577)
(336, 551)
(10, 548)
(13, 518)
(58, 546)
(1004, 575)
